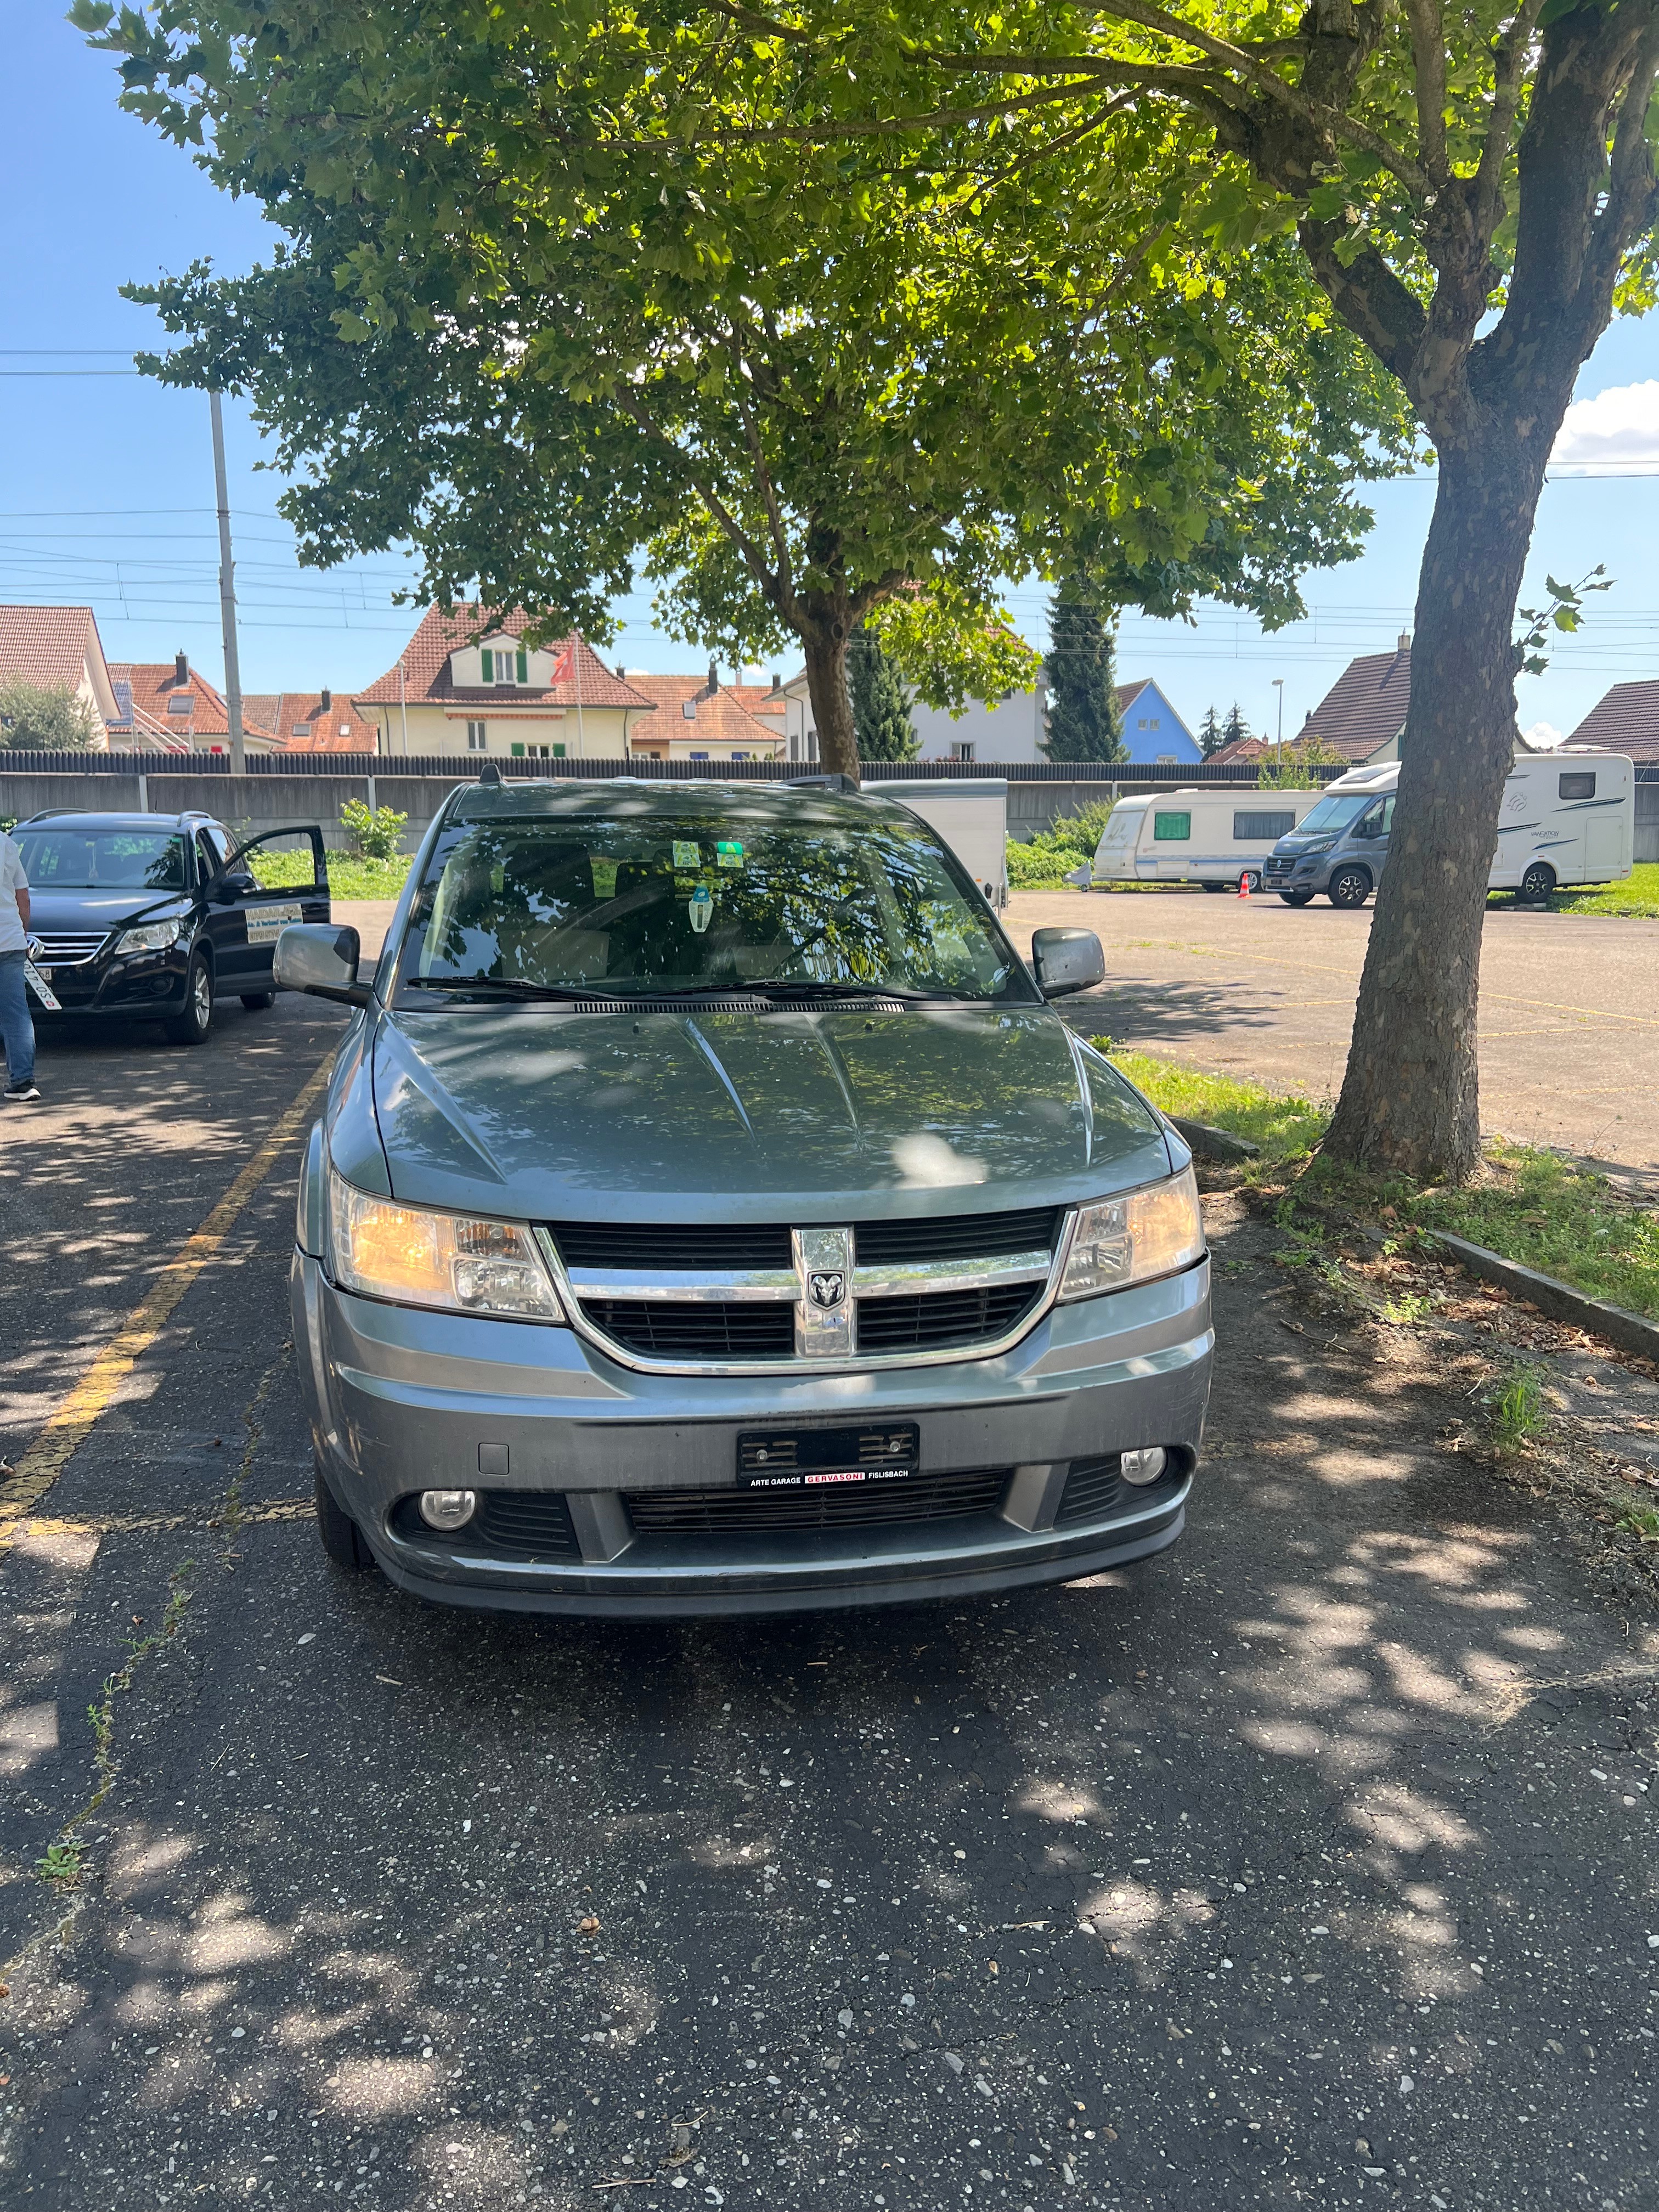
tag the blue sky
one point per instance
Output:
(107, 494)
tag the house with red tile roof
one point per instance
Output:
(58, 649)
(311, 721)
(173, 708)
(1625, 720)
(468, 682)
(1361, 716)
(700, 717)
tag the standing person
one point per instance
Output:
(15, 1026)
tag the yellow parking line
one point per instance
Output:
(69, 1428)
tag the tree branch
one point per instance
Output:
(1632, 194)
(768, 492)
(753, 559)
(1386, 314)
(872, 595)
(1429, 71)
(1486, 203)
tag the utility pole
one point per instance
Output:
(228, 596)
(1278, 686)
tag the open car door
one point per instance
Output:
(268, 883)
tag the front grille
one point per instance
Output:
(955, 1236)
(534, 1522)
(930, 1323)
(1278, 865)
(716, 1249)
(71, 952)
(885, 1504)
(1091, 1491)
(660, 1329)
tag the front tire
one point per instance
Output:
(1537, 884)
(1349, 888)
(1297, 898)
(338, 1534)
(191, 1027)
(256, 1001)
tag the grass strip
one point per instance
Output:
(1637, 895)
(348, 878)
(1530, 1206)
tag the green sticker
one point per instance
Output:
(728, 853)
(686, 853)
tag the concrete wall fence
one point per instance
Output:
(277, 792)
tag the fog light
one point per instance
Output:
(1138, 1466)
(452, 1509)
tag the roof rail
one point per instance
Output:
(821, 783)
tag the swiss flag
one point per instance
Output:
(565, 667)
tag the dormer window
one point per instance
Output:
(505, 665)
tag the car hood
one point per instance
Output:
(69, 913)
(803, 1116)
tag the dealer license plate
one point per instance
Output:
(810, 1459)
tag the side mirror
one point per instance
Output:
(322, 961)
(1066, 960)
(236, 882)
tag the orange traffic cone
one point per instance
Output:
(1244, 887)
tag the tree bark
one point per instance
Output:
(825, 642)
(1410, 1101)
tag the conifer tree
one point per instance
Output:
(881, 712)
(1084, 723)
(1211, 735)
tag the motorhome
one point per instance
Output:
(1567, 816)
(1220, 839)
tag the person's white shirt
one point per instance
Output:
(14, 938)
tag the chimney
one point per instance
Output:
(180, 668)
(326, 703)
(777, 681)
(714, 678)
(1405, 640)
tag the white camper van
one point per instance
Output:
(1567, 816)
(1218, 838)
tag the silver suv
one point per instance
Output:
(710, 1215)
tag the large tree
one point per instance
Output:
(1472, 188)
(1085, 721)
(556, 285)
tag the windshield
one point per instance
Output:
(76, 859)
(1334, 813)
(658, 907)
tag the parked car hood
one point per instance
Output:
(799, 1116)
(71, 913)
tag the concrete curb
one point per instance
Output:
(1212, 1144)
(1631, 1332)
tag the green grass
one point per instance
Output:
(1285, 1129)
(1530, 1206)
(1638, 894)
(348, 876)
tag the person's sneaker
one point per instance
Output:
(19, 1094)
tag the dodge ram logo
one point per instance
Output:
(828, 1289)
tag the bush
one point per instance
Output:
(1045, 860)
(375, 831)
(44, 718)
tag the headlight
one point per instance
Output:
(1156, 1231)
(154, 937)
(454, 1260)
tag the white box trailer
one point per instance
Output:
(1218, 838)
(970, 814)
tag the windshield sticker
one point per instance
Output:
(728, 853)
(700, 907)
(687, 854)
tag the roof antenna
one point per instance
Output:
(489, 772)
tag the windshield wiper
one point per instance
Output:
(508, 986)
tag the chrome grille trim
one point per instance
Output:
(78, 950)
(767, 1285)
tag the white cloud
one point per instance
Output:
(1620, 427)
(1543, 736)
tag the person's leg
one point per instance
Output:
(15, 1025)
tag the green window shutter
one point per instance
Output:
(524, 667)
(558, 752)
(518, 752)
(487, 656)
(1171, 828)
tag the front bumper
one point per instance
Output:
(402, 1401)
(133, 986)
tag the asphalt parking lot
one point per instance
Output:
(1311, 1864)
(1260, 991)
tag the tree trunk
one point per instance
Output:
(1410, 1101)
(825, 642)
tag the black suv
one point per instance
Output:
(150, 917)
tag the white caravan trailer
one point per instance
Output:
(1567, 816)
(1218, 838)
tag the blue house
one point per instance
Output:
(1155, 734)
